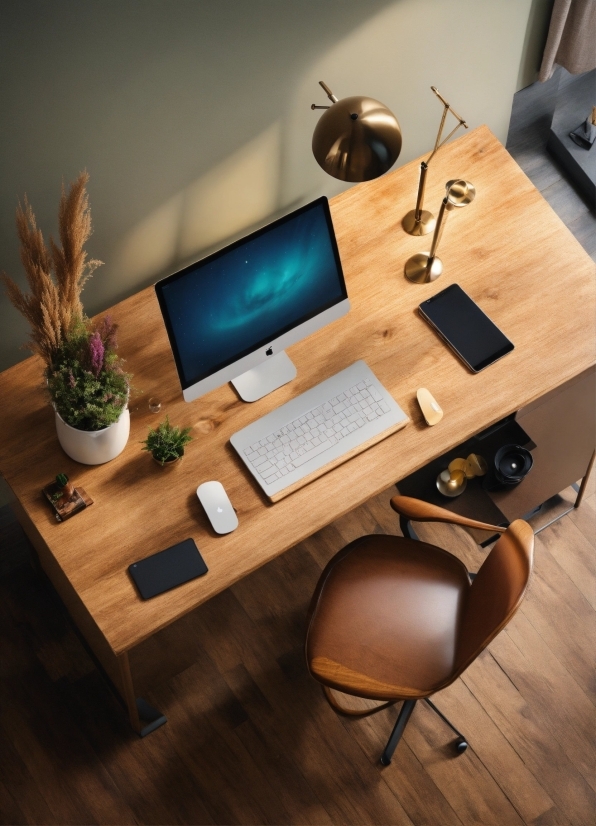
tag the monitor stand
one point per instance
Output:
(268, 376)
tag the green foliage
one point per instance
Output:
(62, 479)
(86, 381)
(167, 441)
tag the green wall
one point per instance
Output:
(193, 116)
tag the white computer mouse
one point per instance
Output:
(218, 507)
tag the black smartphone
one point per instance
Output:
(166, 569)
(465, 328)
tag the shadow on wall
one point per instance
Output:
(223, 100)
(236, 194)
(276, 171)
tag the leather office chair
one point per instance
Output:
(397, 619)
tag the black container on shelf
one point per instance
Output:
(511, 464)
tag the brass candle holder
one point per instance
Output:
(419, 221)
(426, 266)
(452, 482)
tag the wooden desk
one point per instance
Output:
(507, 249)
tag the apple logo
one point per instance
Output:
(220, 510)
(269, 351)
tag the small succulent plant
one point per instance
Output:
(65, 488)
(166, 442)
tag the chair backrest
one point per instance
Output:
(496, 592)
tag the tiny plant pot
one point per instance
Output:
(68, 491)
(169, 463)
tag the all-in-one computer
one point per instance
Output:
(229, 317)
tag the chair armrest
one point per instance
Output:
(420, 511)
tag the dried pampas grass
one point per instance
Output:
(56, 275)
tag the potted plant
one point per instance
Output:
(87, 384)
(166, 442)
(65, 488)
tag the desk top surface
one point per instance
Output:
(508, 250)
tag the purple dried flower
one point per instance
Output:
(96, 351)
(71, 379)
(107, 332)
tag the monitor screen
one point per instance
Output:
(241, 299)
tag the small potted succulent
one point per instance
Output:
(65, 488)
(166, 442)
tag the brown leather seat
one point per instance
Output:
(397, 619)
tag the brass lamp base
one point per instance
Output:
(418, 271)
(423, 226)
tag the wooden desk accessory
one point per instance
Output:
(65, 499)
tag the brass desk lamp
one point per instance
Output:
(419, 221)
(357, 139)
(425, 266)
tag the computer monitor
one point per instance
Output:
(230, 315)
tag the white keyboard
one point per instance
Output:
(318, 430)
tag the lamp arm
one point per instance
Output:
(414, 218)
(440, 132)
(328, 92)
(446, 108)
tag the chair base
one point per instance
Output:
(402, 722)
(405, 713)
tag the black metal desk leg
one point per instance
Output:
(143, 718)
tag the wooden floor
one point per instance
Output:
(250, 738)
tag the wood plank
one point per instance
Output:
(323, 738)
(568, 714)
(484, 801)
(584, 518)
(20, 800)
(524, 724)
(570, 547)
(553, 598)
(270, 754)
(527, 795)
(35, 719)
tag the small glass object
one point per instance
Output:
(154, 404)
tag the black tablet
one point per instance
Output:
(465, 328)
(167, 569)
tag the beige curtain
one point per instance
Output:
(571, 38)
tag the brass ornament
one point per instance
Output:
(452, 482)
(356, 139)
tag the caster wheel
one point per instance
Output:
(460, 745)
(385, 761)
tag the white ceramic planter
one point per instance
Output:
(94, 447)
